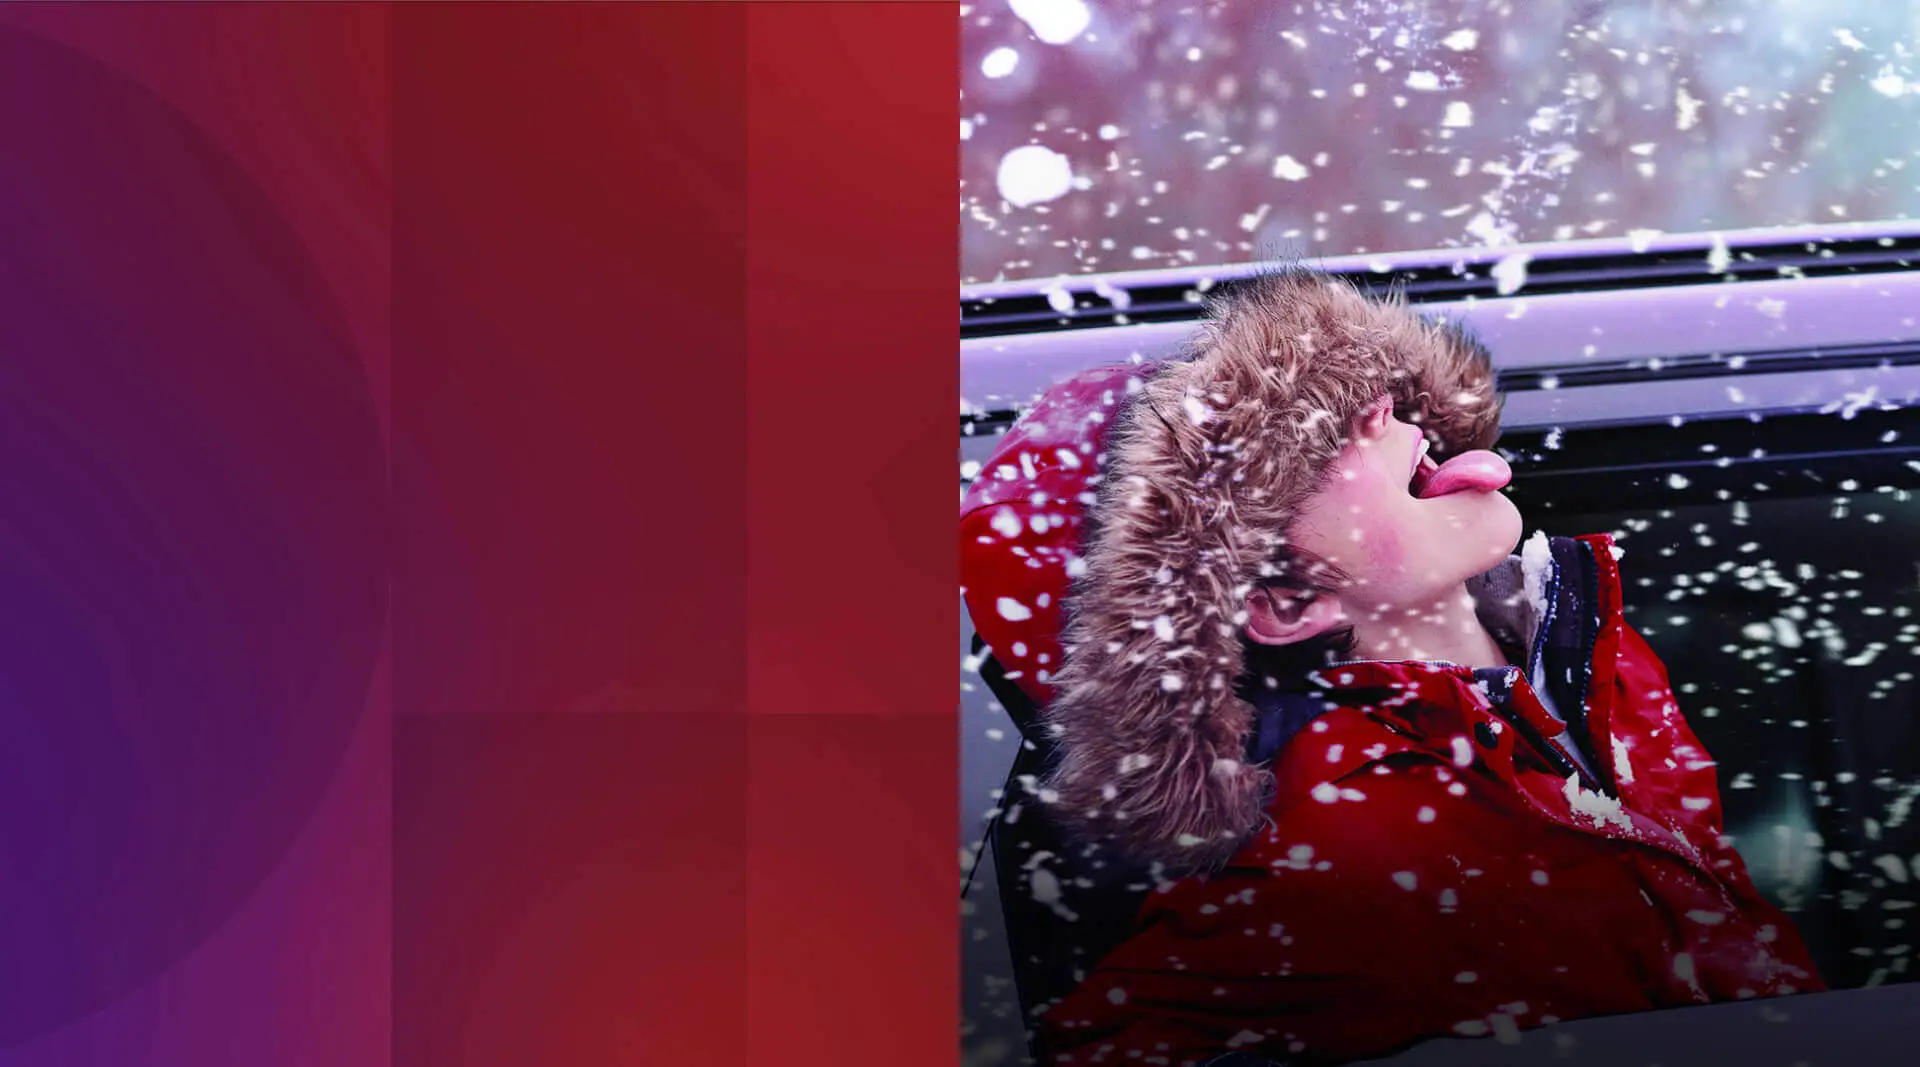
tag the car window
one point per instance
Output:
(1774, 567)
(1112, 135)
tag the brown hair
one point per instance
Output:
(1203, 469)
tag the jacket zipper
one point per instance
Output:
(1589, 639)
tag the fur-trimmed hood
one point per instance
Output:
(1202, 463)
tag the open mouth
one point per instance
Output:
(1423, 467)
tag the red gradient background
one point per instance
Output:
(657, 762)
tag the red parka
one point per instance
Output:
(1431, 871)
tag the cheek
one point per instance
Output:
(1384, 551)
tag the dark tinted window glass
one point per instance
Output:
(1782, 591)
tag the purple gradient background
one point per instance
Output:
(193, 536)
(356, 707)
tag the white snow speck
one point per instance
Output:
(1696, 803)
(1888, 83)
(1771, 308)
(1406, 880)
(1599, 807)
(1109, 132)
(1505, 1030)
(1116, 995)
(1536, 561)
(1471, 1028)
(1012, 610)
(1046, 887)
(1707, 918)
(1719, 257)
(1034, 174)
(1245, 1037)
(1892, 866)
(1197, 411)
(1000, 62)
(1461, 40)
(1163, 628)
(1846, 37)
(1171, 683)
(1539, 878)
(1462, 752)
(1424, 81)
(1622, 766)
(1425, 814)
(1006, 523)
(1677, 481)
(1683, 970)
(1060, 300)
(1068, 458)
(1289, 168)
(1459, 115)
(1053, 21)
(1686, 109)
(1511, 272)
(1326, 793)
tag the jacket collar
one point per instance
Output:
(1541, 601)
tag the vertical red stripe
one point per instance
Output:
(569, 394)
(852, 334)
(571, 371)
(852, 760)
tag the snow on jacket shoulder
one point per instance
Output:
(1447, 856)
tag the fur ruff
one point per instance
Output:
(1203, 469)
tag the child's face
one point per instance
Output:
(1405, 552)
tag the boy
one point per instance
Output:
(1392, 782)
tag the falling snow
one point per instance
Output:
(1510, 273)
(1034, 174)
(1756, 598)
(1552, 121)
(1053, 21)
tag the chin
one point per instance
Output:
(1493, 526)
(1503, 528)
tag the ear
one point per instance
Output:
(1282, 617)
(1371, 423)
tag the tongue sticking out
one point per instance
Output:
(1479, 471)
